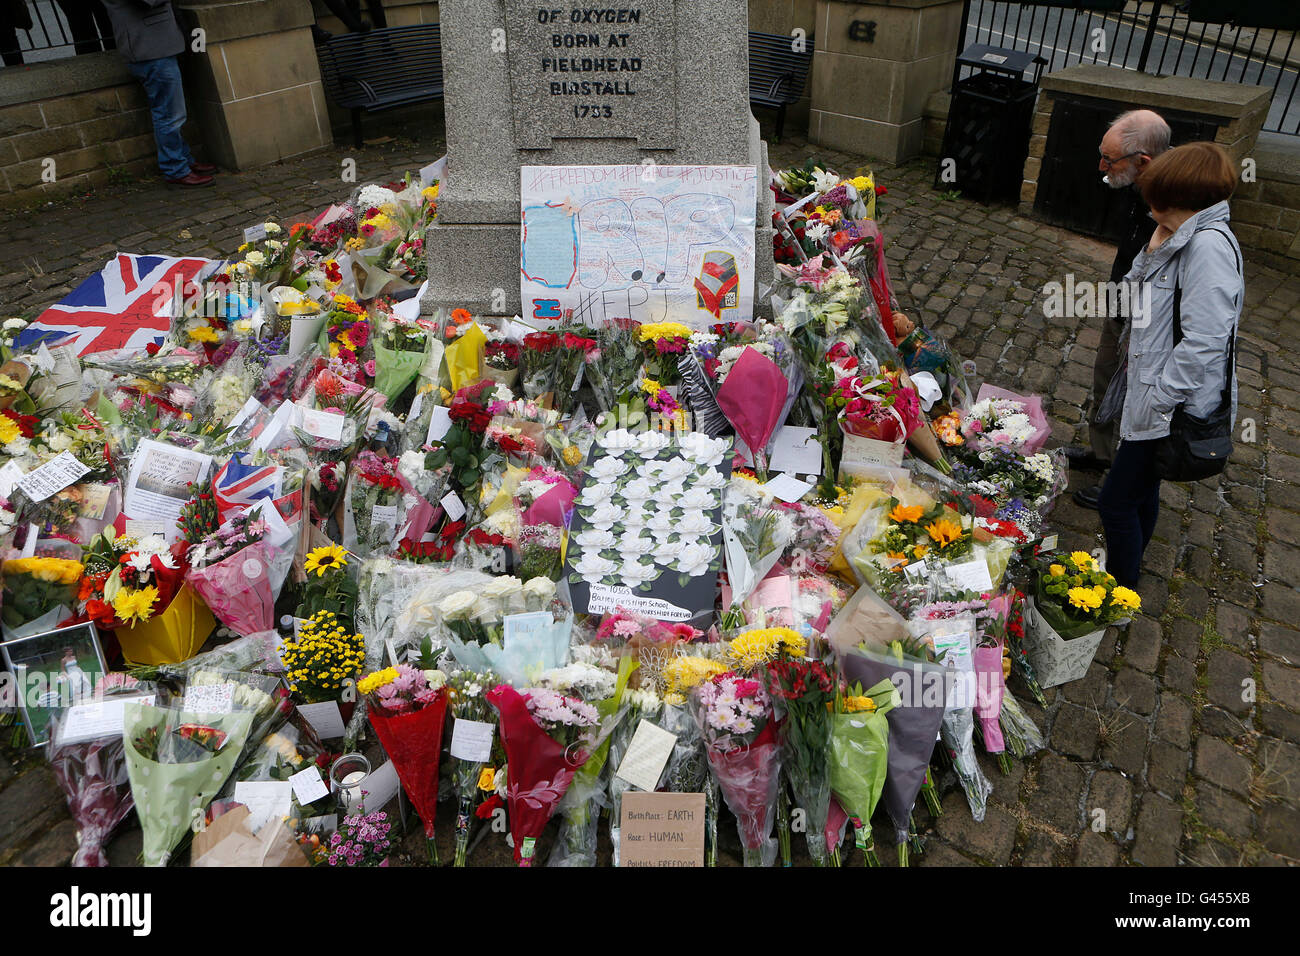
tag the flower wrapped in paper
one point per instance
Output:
(1000, 417)
(239, 571)
(546, 738)
(803, 692)
(407, 709)
(172, 752)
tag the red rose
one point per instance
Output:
(541, 341)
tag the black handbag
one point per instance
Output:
(1197, 448)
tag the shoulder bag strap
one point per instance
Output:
(1230, 370)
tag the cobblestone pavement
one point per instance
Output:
(1186, 729)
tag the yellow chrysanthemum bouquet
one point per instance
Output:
(1076, 597)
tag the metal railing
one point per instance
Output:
(1152, 36)
(52, 30)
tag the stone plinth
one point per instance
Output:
(676, 93)
(256, 89)
(1237, 110)
(874, 68)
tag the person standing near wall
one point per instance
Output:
(148, 36)
(1131, 142)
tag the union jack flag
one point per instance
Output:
(237, 485)
(126, 305)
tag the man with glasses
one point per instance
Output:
(1131, 142)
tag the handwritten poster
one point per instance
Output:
(645, 242)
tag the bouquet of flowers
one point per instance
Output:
(401, 348)
(803, 692)
(375, 503)
(170, 753)
(642, 703)
(1001, 418)
(545, 736)
(407, 710)
(744, 752)
(130, 580)
(238, 573)
(93, 775)
(1077, 597)
(615, 364)
(468, 704)
(859, 756)
(328, 586)
(37, 592)
(323, 660)
(755, 534)
(361, 840)
(537, 365)
(662, 345)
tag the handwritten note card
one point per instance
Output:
(649, 750)
(54, 475)
(662, 829)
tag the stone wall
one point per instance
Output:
(88, 115)
(1266, 212)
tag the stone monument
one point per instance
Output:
(538, 83)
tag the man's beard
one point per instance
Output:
(1120, 180)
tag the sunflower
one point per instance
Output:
(325, 559)
(905, 514)
(943, 532)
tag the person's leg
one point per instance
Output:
(162, 85)
(1129, 502)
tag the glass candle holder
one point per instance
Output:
(346, 775)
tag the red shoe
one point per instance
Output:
(193, 179)
(203, 169)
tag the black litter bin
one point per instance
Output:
(987, 137)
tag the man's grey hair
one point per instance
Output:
(1142, 131)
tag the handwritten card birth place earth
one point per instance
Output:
(647, 529)
(662, 829)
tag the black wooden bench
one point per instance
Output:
(382, 69)
(777, 74)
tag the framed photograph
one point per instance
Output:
(53, 671)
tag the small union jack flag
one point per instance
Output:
(238, 485)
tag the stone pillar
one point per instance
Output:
(502, 112)
(875, 66)
(256, 89)
(1238, 110)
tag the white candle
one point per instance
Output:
(349, 791)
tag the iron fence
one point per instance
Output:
(52, 29)
(1156, 37)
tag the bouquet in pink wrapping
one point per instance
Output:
(743, 744)
(1004, 418)
(547, 737)
(238, 573)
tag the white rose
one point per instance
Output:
(502, 588)
(675, 469)
(639, 489)
(457, 605)
(592, 567)
(271, 228)
(697, 497)
(604, 515)
(255, 258)
(651, 443)
(617, 441)
(542, 589)
(592, 539)
(436, 679)
(634, 545)
(607, 469)
(595, 493)
(634, 574)
(695, 558)
(636, 518)
(694, 523)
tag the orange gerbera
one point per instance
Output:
(906, 514)
(898, 556)
(461, 316)
(943, 532)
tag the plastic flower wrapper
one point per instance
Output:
(662, 346)
(547, 738)
(744, 752)
(859, 756)
(407, 708)
(643, 704)
(953, 638)
(616, 365)
(577, 345)
(92, 773)
(537, 364)
(576, 843)
(375, 504)
(522, 657)
(803, 692)
(282, 752)
(687, 769)
(260, 695)
(913, 726)
(1000, 417)
(990, 679)
(467, 702)
(253, 553)
(816, 599)
(1022, 736)
(401, 349)
(755, 534)
(177, 762)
